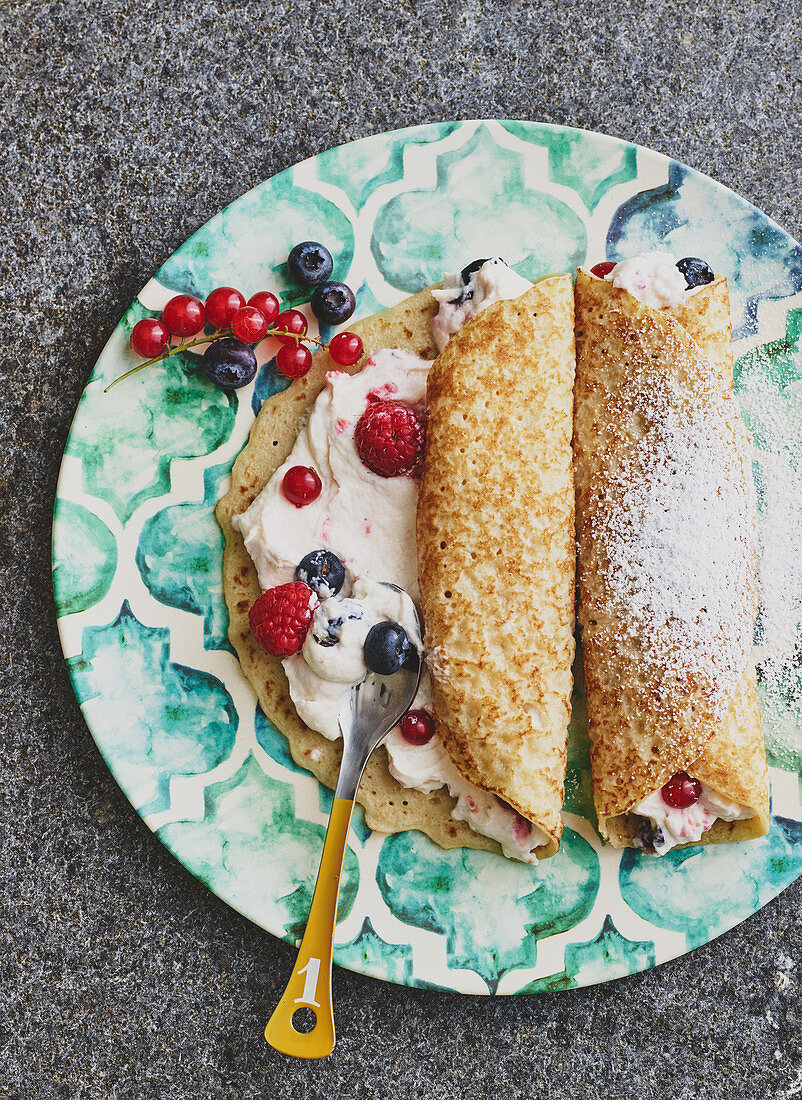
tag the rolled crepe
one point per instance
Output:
(495, 535)
(665, 526)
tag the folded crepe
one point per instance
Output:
(665, 526)
(389, 807)
(496, 556)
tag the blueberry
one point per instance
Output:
(387, 648)
(229, 363)
(471, 269)
(333, 303)
(649, 837)
(323, 572)
(696, 271)
(310, 263)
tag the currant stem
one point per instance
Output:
(217, 335)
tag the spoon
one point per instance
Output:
(373, 707)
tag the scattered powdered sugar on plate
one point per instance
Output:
(769, 389)
(680, 543)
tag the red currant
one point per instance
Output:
(681, 791)
(149, 338)
(301, 485)
(183, 315)
(222, 304)
(602, 269)
(266, 303)
(346, 348)
(294, 360)
(293, 322)
(249, 325)
(417, 727)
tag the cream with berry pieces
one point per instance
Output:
(333, 658)
(477, 286)
(366, 518)
(656, 278)
(364, 439)
(428, 767)
(681, 812)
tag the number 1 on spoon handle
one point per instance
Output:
(310, 984)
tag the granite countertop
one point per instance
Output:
(123, 127)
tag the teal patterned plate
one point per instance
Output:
(137, 555)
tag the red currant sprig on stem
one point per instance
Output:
(229, 361)
(249, 324)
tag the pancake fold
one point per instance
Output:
(496, 559)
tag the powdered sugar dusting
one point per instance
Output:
(769, 387)
(679, 540)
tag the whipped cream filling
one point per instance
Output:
(429, 767)
(653, 278)
(369, 522)
(672, 826)
(459, 301)
(332, 659)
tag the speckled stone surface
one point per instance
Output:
(123, 127)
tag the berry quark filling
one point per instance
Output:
(682, 811)
(476, 287)
(656, 278)
(367, 519)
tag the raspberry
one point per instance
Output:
(281, 616)
(389, 438)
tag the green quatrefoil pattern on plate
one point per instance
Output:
(153, 717)
(246, 245)
(180, 558)
(703, 891)
(127, 440)
(253, 849)
(423, 232)
(447, 892)
(589, 164)
(360, 169)
(370, 954)
(591, 962)
(83, 573)
(137, 562)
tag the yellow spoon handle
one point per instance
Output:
(310, 983)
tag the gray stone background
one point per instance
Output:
(124, 125)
